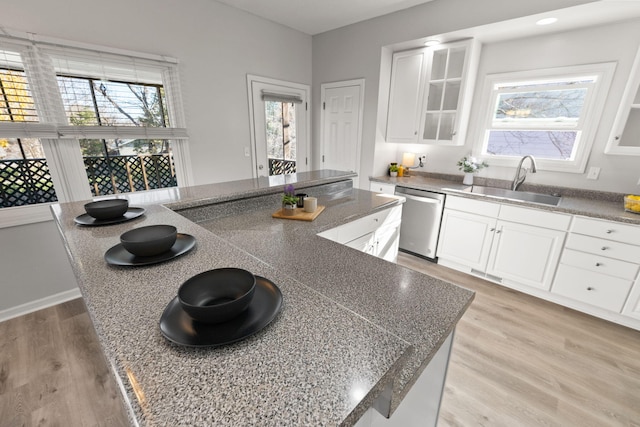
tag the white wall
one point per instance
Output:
(33, 267)
(216, 46)
(609, 43)
(356, 51)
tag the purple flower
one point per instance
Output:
(289, 190)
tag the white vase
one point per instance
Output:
(468, 178)
(394, 174)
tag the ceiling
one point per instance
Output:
(317, 16)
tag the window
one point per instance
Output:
(86, 122)
(549, 114)
(281, 136)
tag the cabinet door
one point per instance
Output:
(624, 134)
(387, 240)
(525, 254)
(448, 89)
(364, 243)
(632, 307)
(405, 97)
(466, 238)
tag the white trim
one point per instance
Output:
(345, 83)
(25, 38)
(594, 107)
(39, 304)
(251, 79)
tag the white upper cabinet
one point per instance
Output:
(431, 92)
(405, 100)
(625, 134)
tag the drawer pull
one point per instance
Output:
(609, 231)
(492, 229)
(598, 264)
(604, 248)
(498, 231)
(590, 288)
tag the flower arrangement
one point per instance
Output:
(471, 164)
(289, 198)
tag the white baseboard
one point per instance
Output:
(39, 304)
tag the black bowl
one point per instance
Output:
(150, 240)
(218, 295)
(107, 209)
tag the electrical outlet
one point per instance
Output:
(594, 172)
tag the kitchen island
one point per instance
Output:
(352, 327)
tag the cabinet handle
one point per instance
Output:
(591, 288)
(498, 231)
(492, 229)
(415, 133)
(617, 137)
(598, 264)
(604, 248)
(609, 231)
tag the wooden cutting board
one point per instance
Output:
(299, 214)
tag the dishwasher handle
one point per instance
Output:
(422, 199)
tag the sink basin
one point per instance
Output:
(523, 196)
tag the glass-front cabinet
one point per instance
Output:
(625, 134)
(435, 109)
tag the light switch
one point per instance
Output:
(594, 172)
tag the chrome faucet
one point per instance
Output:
(518, 179)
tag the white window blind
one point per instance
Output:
(81, 112)
(281, 97)
(59, 80)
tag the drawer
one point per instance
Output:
(600, 264)
(607, 248)
(610, 230)
(592, 288)
(382, 187)
(536, 217)
(477, 207)
(368, 224)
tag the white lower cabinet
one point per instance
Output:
(599, 265)
(377, 234)
(632, 307)
(382, 187)
(593, 268)
(466, 238)
(525, 254)
(511, 245)
(597, 289)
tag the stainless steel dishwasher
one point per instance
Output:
(421, 216)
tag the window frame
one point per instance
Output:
(587, 124)
(60, 141)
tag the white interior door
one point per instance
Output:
(342, 104)
(279, 118)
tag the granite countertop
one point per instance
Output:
(350, 325)
(595, 204)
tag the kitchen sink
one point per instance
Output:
(503, 193)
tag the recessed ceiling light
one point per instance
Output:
(432, 42)
(546, 21)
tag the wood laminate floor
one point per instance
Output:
(520, 361)
(516, 361)
(53, 372)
